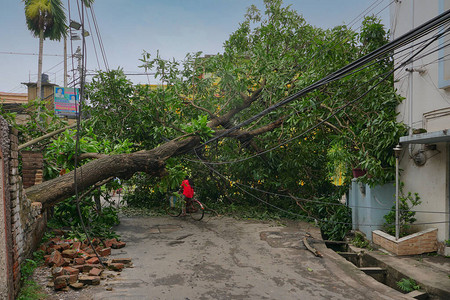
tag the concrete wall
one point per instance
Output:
(426, 105)
(22, 222)
(369, 205)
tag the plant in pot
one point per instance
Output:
(406, 215)
(343, 162)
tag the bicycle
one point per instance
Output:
(193, 207)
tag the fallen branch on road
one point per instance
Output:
(311, 249)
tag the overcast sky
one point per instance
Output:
(128, 27)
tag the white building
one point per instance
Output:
(425, 84)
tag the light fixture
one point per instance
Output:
(397, 150)
(74, 24)
(85, 33)
(75, 37)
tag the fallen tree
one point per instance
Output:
(268, 58)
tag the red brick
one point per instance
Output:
(60, 282)
(92, 280)
(104, 252)
(87, 267)
(77, 285)
(57, 271)
(73, 278)
(64, 246)
(93, 260)
(67, 261)
(110, 242)
(70, 271)
(79, 261)
(76, 245)
(116, 266)
(118, 245)
(54, 241)
(56, 259)
(70, 253)
(95, 272)
(79, 267)
(83, 254)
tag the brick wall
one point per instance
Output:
(32, 163)
(6, 261)
(421, 242)
(27, 223)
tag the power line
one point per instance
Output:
(303, 216)
(395, 44)
(25, 53)
(399, 65)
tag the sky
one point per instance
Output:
(128, 27)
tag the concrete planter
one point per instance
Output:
(447, 251)
(420, 242)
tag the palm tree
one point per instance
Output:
(45, 19)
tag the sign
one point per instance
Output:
(67, 101)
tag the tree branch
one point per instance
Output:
(36, 140)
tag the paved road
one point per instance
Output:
(222, 258)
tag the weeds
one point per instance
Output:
(360, 242)
(30, 290)
(408, 285)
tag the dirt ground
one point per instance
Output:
(217, 258)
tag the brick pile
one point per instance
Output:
(74, 264)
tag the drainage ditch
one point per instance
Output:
(373, 267)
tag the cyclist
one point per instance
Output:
(188, 193)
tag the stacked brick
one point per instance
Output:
(75, 264)
(32, 164)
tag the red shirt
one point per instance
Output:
(187, 189)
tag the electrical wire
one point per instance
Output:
(299, 215)
(25, 53)
(93, 42)
(395, 44)
(399, 65)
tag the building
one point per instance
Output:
(425, 85)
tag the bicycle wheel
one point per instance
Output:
(173, 207)
(196, 210)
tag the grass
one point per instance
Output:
(31, 291)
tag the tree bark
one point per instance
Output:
(124, 166)
(41, 138)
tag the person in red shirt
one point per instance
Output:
(188, 193)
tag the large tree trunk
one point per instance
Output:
(152, 162)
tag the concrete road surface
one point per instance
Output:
(224, 258)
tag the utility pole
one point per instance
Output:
(65, 61)
(78, 56)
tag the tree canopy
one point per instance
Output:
(299, 150)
